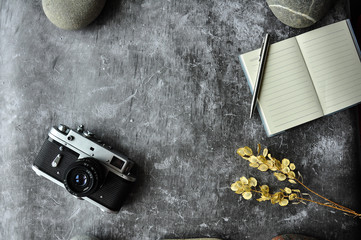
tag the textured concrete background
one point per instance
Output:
(160, 81)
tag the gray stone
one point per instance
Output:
(299, 13)
(72, 14)
(84, 237)
(194, 239)
(293, 237)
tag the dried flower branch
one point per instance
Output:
(282, 170)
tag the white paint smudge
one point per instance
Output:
(167, 163)
(299, 216)
(106, 110)
(203, 225)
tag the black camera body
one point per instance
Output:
(86, 167)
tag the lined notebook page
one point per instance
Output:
(334, 65)
(287, 97)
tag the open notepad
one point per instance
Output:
(307, 76)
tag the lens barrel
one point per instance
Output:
(83, 177)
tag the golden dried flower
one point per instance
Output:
(253, 159)
(277, 197)
(252, 182)
(244, 187)
(263, 167)
(247, 195)
(291, 175)
(254, 165)
(288, 190)
(264, 189)
(265, 152)
(285, 162)
(292, 166)
(283, 202)
(292, 181)
(280, 176)
(240, 151)
(282, 170)
(292, 196)
(258, 148)
(248, 151)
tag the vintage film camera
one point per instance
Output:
(86, 167)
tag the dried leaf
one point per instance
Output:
(280, 176)
(292, 166)
(252, 182)
(285, 162)
(261, 159)
(292, 181)
(291, 174)
(248, 151)
(239, 191)
(278, 164)
(253, 159)
(265, 152)
(292, 196)
(244, 180)
(247, 195)
(240, 151)
(234, 187)
(263, 167)
(288, 190)
(270, 163)
(300, 176)
(283, 202)
(274, 168)
(264, 188)
(254, 165)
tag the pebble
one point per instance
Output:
(293, 237)
(300, 13)
(72, 14)
(84, 237)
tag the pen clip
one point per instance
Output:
(262, 46)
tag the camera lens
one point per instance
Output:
(83, 177)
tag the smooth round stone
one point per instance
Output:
(84, 237)
(72, 14)
(293, 237)
(300, 13)
(194, 239)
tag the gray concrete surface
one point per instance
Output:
(160, 81)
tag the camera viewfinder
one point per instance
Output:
(117, 162)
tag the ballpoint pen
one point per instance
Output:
(261, 67)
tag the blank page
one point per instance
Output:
(334, 65)
(287, 97)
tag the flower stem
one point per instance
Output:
(339, 207)
(327, 205)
